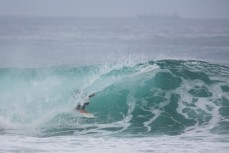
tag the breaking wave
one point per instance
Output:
(149, 98)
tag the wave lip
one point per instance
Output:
(153, 97)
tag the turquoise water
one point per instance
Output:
(166, 97)
(161, 86)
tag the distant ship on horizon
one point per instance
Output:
(154, 16)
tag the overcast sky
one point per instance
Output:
(116, 8)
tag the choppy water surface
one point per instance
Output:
(141, 104)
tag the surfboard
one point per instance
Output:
(85, 114)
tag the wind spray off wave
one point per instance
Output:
(168, 97)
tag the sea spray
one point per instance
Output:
(168, 97)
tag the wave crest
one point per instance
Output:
(155, 97)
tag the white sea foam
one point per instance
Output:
(42, 107)
(84, 144)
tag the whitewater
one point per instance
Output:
(159, 87)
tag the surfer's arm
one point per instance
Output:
(91, 95)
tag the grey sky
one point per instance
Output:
(123, 8)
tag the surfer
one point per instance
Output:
(81, 106)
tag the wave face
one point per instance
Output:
(168, 97)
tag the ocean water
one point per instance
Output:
(161, 85)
